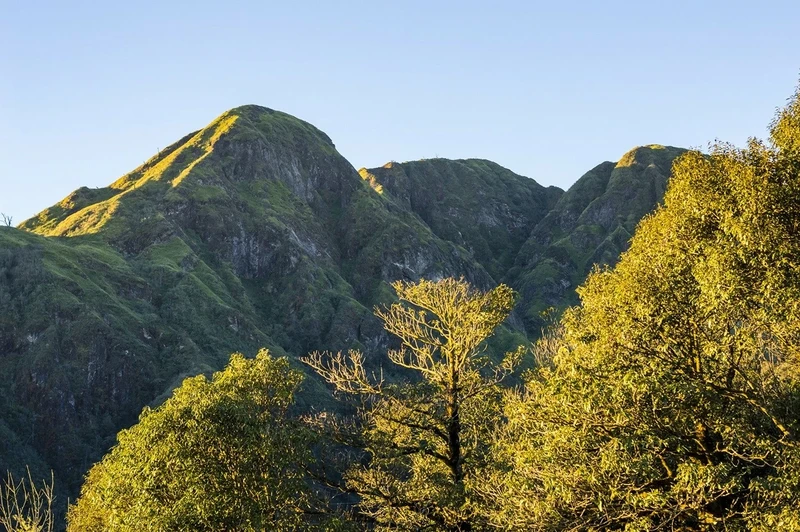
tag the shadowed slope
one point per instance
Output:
(478, 204)
(591, 224)
(251, 232)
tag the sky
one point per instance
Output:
(89, 90)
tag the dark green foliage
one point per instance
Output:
(591, 224)
(87, 340)
(476, 204)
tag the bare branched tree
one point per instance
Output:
(6, 219)
(26, 507)
(436, 429)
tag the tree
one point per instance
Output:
(26, 507)
(671, 396)
(425, 440)
(5, 219)
(218, 455)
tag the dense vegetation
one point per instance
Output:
(667, 398)
(218, 455)
(254, 232)
(590, 224)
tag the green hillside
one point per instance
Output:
(592, 223)
(255, 232)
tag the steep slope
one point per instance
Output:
(477, 204)
(251, 232)
(591, 224)
(265, 197)
(254, 231)
(86, 340)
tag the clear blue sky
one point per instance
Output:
(89, 90)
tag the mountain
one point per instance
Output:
(255, 231)
(477, 204)
(590, 224)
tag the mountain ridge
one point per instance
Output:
(255, 232)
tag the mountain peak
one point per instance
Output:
(250, 108)
(479, 204)
(246, 143)
(269, 121)
(650, 154)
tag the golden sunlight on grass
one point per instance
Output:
(371, 179)
(219, 128)
(629, 159)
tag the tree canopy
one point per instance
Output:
(220, 454)
(426, 439)
(670, 396)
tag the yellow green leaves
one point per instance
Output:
(427, 440)
(671, 397)
(220, 454)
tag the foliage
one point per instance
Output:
(671, 395)
(26, 507)
(426, 439)
(220, 454)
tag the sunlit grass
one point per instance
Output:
(371, 179)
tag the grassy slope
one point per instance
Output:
(591, 224)
(92, 337)
(252, 232)
(477, 204)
